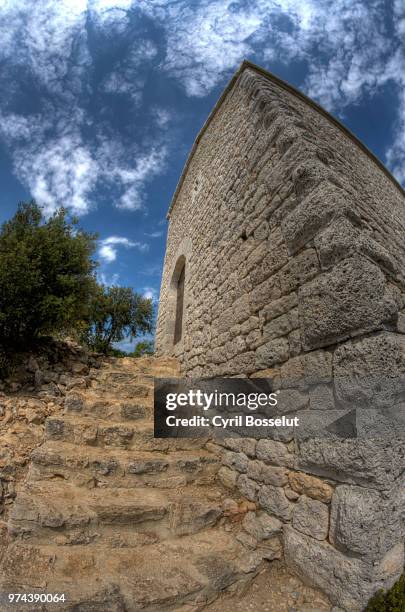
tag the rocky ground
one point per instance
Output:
(92, 505)
(275, 589)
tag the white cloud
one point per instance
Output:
(126, 79)
(109, 247)
(150, 293)
(146, 166)
(347, 46)
(107, 280)
(162, 117)
(157, 234)
(47, 42)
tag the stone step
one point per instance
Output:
(110, 467)
(56, 511)
(92, 407)
(102, 433)
(132, 389)
(156, 578)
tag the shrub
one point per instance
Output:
(389, 601)
(46, 275)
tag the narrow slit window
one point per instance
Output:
(178, 328)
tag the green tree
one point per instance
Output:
(145, 347)
(116, 313)
(389, 601)
(46, 275)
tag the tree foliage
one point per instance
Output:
(145, 347)
(389, 601)
(116, 313)
(46, 275)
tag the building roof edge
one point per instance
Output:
(297, 93)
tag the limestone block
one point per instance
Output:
(275, 351)
(364, 521)
(261, 526)
(276, 308)
(339, 240)
(281, 326)
(275, 453)
(310, 486)
(313, 213)
(237, 313)
(311, 517)
(317, 367)
(294, 341)
(308, 174)
(270, 549)
(54, 428)
(273, 500)
(342, 239)
(350, 298)
(241, 364)
(235, 461)
(228, 477)
(241, 445)
(74, 403)
(304, 266)
(264, 293)
(321, 398)
(375, 463)
(348, 581)
(291, 400)
(254, 339)
(259, 471)
(247, 487)
(234, 347)
(293, 374)
(370, 372)
(290, 494)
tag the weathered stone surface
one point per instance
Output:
(317, 367)
(74, 403)
(259, 471)
(281, 326)
(313, 213)
(151, 466)
(374, 463)
(248, 487)
(274, 501)
(364, 521)
(339, 240)
(348, 581)
(228, 477)
(261, 526)
(353, 297)
(275, 453)
(235, 461)
(311, 517)
(370, 372)
(292, 243)
(241, 445)
(311, 486)
(275, 351)
(279, 307)
(321, 397)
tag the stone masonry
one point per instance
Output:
(293, 240)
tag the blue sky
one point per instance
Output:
(101, 100)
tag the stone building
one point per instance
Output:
(285, 259)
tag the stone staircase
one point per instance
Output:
(118, 520)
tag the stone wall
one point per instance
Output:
(293, 238)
